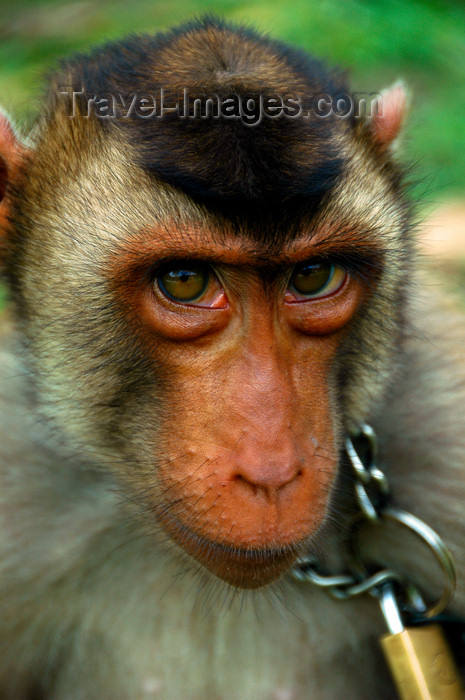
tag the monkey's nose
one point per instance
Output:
(267, 479)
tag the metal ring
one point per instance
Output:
(435, 544)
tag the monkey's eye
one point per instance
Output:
(315, 279)
(184, 283)
(189, 282)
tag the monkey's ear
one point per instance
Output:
(387, 122)
(12, 152)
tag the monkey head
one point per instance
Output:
(208, 305)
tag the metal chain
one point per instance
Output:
(371, 491)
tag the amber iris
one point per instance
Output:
(311, 278)
(184, 283)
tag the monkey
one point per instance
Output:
(202, 306)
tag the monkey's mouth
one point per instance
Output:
(240, 567)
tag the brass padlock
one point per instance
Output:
(419, 658)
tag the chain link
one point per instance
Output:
(372, 490)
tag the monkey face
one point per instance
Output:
(247, 438)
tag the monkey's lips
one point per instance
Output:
(243, 568)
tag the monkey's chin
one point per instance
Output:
(242, 568)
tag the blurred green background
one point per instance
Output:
(378, 41)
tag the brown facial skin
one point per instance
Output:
(248, 445)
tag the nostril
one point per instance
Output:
(271, 479)
(246, 482)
